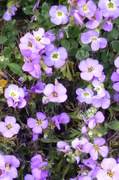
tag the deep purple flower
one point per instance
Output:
(39, 124)
(36, 5)
(63, 146)
(38, 88)
(96, 147)
(92, 37)
(56, 57)
(109, 7)
(58, 15)
(9, 13)
(86, 9)
(109, 170)
(55, 93)
(90, 68)
(84, 95)
(9, 128)
(63, 118)
(15, 96)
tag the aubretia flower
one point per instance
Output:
(77, 16)
(58, 15)
(63, 118)
(99, 88)
(109, 7)
(29, 177)
(9, 13)
(86, 9)
(15, 96)
(108, 25)
(103, 102)
(92, 37)
(9, 128)
(98, 118)
(39, 167)
(116, 63)
(84, 95)
(79, 144)
(63, 146)
(36, 5)
(55, 93)
(94, 21)
(84, 178)
(109, 170)
(93, 149)
(39, 124)
(90, 68)
(56, 57)
(38, 88)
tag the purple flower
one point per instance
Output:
(55, 93)
(84, 178)
(60, 34)
(56, 57)
(109, 170)
(9, 13)
(79, 144)
(86, 9)
(11, 165)
(36, 5)
(77, 16)
(90, 68)
(116, 63)
(84, 130)
(50, 35)
(108, 25)
(38, 88)
(92, 37)
(9, 128)
(39, 124)
(58, 15)
(93, 149)
(94, 21)
(41, 39)
(109, 7)
(103, 102)
(29, 177)
(63, 118)
(99, 88)
(63, 147)
(39, 167)
(84, 95)
(15, 96)
(92, 122)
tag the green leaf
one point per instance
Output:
(3, 62)
(32, 25)
(115, 45)
(15, 68)
(113, 125)
(45, 6)
(65, 43)
(40, 18)
(3, 39)
(72, 51)
(7, 52)
(82, 54)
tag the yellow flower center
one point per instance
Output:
(96, 147)
(86, 94)
(8, 126)
(90, 69)
(111, 5)
(9, 11)
(85, 8)
(13, 94)
(59, 13)
(94, 39)
(7, 166)
(55, 56)
(93, 17)
(54, 94)
(29, 44)
(38, 38)
(98, 89)
(39, 122)
(110, 173)
(43, 168)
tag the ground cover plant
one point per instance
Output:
(59, 90)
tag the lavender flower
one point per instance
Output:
(108, 25)
(56, 57)
(92, 37)
(38, 125)
(36, 5)
(90, 68)
(93, 149)
(109, 170)
(55, 93)
(84, 95)
(77, 16)
(9, 128)
(9, 13)
(58, 15)
(63, 146)
(15, 96)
